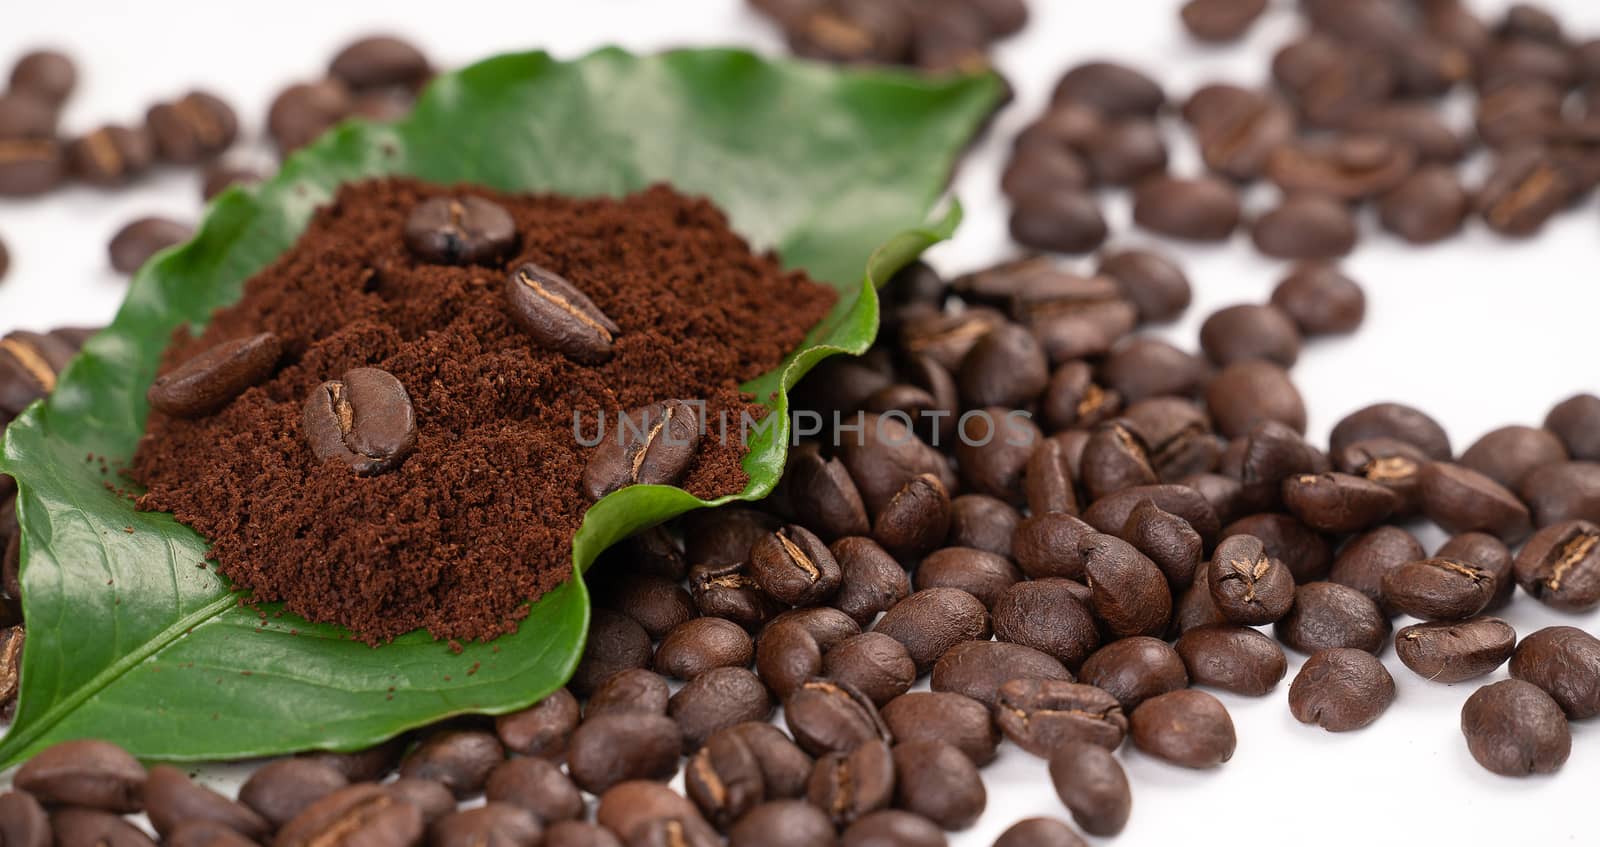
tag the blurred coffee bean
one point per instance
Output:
(613, 748)
(1059, 221)
(220, 176)
(460, 759)
(91, 827)
(30, 167)
(1392, 420)
(616, 643)
(365, 813)
(135, 243)
(1253, 391)
(1248, 331)
(1352, 167)
(283, 789)
(1051, 169)
(1306, 226)
(542, 729)
(171, 798)
(1576, 421)
(634, 690)
(464, 231)
(1321, 300)
(1459, 499)
(1523, 190)
(1332, 82)
(1195, 209)
(1113, 89)
(111, 155)
(1145, 367)
(304, 111)
(1418, 125)
(1220, 21)
(26, 117)
(47, 74)
(195, 127)
(1237, 128)
(1508, 454)
(1151, 281)
(1563, 491)
(1006, 367)
(379, 61)
(1126, 151)
(91, 774)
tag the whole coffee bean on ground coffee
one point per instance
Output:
(495, 442)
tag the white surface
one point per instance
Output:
(1479, 331)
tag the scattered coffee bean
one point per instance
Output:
(613, 748)
(1508, 454)
(1248, 586)
(560, 317)
(472, 230)
(1327, 615)
(784, 766)
(134, 244)
(978, 669)
(1092, 786)
(1391, 463)
(1576, 421)
(23, 821)
(365, 813)
(1188, 728)
(1513, 728)
(1563, 491)
(542, 729)
(281, 790)
(633, 690)
(210, 380)
(955, 719)
(1306, 226)
(1523, 191)
(832, 717)
(1249, 392)
(850, 787)
(716, 700)
(874, 663)
(380, 61)
(1198, 209)
(1459, 499)
(696, 646)
(459, 759)
(304, 111)
(171, 798)
(47, 74)
(1439, 589)
(1125, 151)
(1455, 651)
(824, 497)
(794, 566)
(1221, 20)
(938, 782)
(90, 774)
(111, 155)
(363, 420)
(1234, 658)
(536, 785)
(871, 581)
(1243, 332)
(1059, 221)
(1341, 689)
(1129, 593)
(1050, 616)
(1039, 715)
(1039, 832)
(1135, 669)
(220, 176)
(1560, 566)
(578, 834)
(492, 823)
(933, 620)
(983, 575)
(92, 827)
(1321, 300)
(1155, 284)
(1564, 661)
(916, 519)
(26, 117)
(30, 167)
(1110, 88)
(1428, 206)
(658, 603)
(197, 126)
(616, 643)
(783, 823)
(893, 828)
(628, 808)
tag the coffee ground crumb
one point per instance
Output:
(480, 517)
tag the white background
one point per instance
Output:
(1479, 331)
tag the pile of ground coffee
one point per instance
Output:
(479, 517)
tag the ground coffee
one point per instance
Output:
(479, 517)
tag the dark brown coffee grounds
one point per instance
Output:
(480, 517)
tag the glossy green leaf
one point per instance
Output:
(132, 638)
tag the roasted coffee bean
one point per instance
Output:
(1045, 168)
(877, 665)
(1428, 206)
(1249, 586)
(460, 759)
(1393, 464)
(629, 807)
(1110, 514)
(652, 445)
(196, 127)
(370, 765)
(977, 669)
(893, 828)
(1513, 728)
(1392, 420)
(871, 581)
(1047, 482)
(221, 176)
(110, 155)
(1039, 832)
(1249, 392)
(1224, 494)
(1188, 728)
(1563, 491)
(1306, 226)
(23, 821)
(363, 420)
(715, 700)
(1129, 593)
(75, 827)
(1341, 689)
(1326, 615)
(1508, 454)
(433, 799)
(1460, 499)
(1219, 21)
(884, 455)
(613, 748)
(832, 717)
(26, 117)
(349, 817)
(558, 316)
(1565, 662)
(1086, 331)
(1455, 651)
(1366, 559)
(983, 575)
(783, 823)
(1338, 502)
(1511, 117)
(726, 591)
(208, 381)
(47, 74)
(824, 497)
(1110, 88)
(1560, 566)
(204, 833)
(1039, 715)
(493, 823)
(1352, 167)
(1488, 554)
(542, 729)
(724, 779)
(1418, 125)
(578, 834)
(1125, 151)
(1242, 332)
(1059, 221)
(30, 167)
(379, 61)
(784, 766)
(471, 231)
(134, 244)
(1148, 367)
(1576, 421)
(1267, 454)
(1114, 458)
(1135, 669)
(1237, 129)
(1092, 786)
(1194, 209)
(1154, 283)
(616, 643)
(851, 786)
(281, 790)
(1233, 658)
(916, 519)
(1525, 189)
(827, 625)
(1438, 589)
(980, 521)
(931, 621)
(955, 719)
(171, 798)
(658, 603)
(696, 646)
(1168, 540)
(5, 260)
(91, 774)
(1050, 616)
(633, 690)
(944, 339)
(302, 112)
(1047, 545)
(1006, 367)
(938, 782)
(794, 566)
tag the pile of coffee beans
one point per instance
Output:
(1353, 117)
(933, 35)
